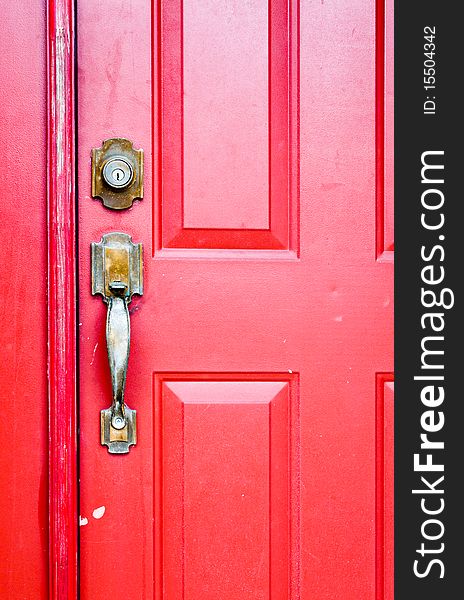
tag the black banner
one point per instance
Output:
(429, 303)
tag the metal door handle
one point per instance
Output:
(118, 342)
(117, 275)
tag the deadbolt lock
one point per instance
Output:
(117, 173)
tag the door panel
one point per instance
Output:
(114, 99)
(227, 500)
(224, 111)
(384, 552)
(385, 128)
(266, 316)
(225, 114)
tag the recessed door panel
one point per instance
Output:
(226, 125)
(227, 514)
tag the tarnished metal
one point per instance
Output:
(117, 275)
(117, 173)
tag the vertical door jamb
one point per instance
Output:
(61, 302)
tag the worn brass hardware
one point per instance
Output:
(117, 173)
(117, 275)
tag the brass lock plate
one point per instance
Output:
(117, 173)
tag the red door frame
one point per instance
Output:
(61, 302)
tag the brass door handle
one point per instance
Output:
(117, 275)
(118, 342)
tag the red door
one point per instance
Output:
(260, 346)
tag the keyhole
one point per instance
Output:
(118, 174)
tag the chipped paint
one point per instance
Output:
(99, 512)
(93, 355)
(62, 46)
(83, 521)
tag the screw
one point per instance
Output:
(118, 423)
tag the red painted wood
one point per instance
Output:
(114, 82)
(384, 486)
(61, 304)
(226, 458)
(229, 313)
(201, 121)
(23, 327)
(384, 96)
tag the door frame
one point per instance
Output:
(61, 304)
